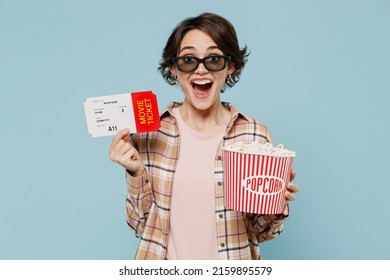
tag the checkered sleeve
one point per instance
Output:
(138, 201)
(138, 198)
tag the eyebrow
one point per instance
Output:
(192, 48)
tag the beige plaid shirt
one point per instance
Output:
(149, 197)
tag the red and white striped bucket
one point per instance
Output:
(255, 183)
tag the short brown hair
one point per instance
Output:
(220, 30)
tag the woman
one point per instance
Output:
(175, 201)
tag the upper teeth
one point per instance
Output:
(202, 82)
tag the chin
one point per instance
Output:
(204, 104)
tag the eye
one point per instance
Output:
(214, 58)
(188, 59)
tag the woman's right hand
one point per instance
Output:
(122, 152)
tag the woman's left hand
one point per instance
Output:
(290, 191)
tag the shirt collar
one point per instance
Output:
(234, 111)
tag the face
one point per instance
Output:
(202, 88)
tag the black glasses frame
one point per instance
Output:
(226, 58)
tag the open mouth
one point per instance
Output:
(202, 87)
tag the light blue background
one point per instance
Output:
(318, 76)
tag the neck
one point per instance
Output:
(212, 118)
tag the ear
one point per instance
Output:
(173, 69)
(231, 68)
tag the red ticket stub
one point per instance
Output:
(146, 114)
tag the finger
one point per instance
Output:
(289, 196)
(130, 157)
(124, 148)
(286, 210)
(292, 174)
(120, 150)
(292, 187)
(121, 135)
(114, 151)
(131, 161)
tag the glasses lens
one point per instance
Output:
(212, 63)
(215, 63)
(187, 64)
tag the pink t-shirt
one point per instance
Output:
(192, 230)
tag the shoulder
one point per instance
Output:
(245, 128)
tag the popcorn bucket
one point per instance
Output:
(256, 183)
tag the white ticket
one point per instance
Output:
(106, 115)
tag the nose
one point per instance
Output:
(201, 69)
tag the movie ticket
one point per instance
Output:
(106, 115)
